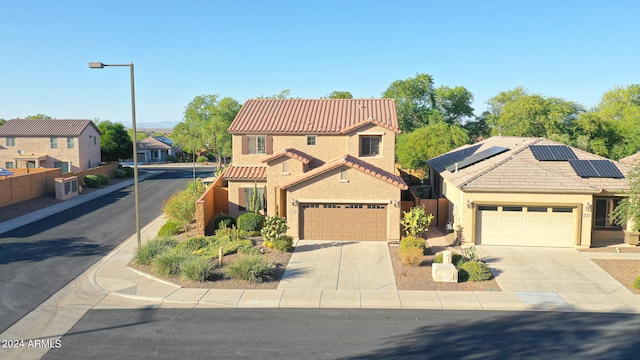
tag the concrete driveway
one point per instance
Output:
(339, 265)
(547, 270)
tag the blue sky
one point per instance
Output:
(574, 50)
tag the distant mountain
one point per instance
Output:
(157, 125)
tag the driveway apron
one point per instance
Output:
(339, 265)
(547, 270)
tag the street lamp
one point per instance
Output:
(99, 65)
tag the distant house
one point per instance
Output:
(156, 149)
(72, 145)
(530, 192)
(327, 165)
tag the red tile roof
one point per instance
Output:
(291, 153)
(313, 116)
(234, 172)
(36, 128)
(355, 163)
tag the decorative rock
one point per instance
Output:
(444, 273)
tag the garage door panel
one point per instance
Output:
(343, 222)
(535, 228)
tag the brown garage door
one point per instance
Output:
(343, 221)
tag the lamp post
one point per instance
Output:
(99, 65)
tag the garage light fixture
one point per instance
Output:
(471, 204)
(294, 202)
(588, 207)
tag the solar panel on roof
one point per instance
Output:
(596, 168)
(441, 162)
(552, 152)
(475, 158)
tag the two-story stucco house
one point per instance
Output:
(72, 145)
(327, 165)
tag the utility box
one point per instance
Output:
(66, 188)
(444, 273)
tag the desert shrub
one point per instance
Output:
(92, 181)
(228, 244)
(194, 244)
(196, 188)
(151, 249)
(470, 254)
(170, 262)
(229, 221)
(283, 243)
(273, 227)
(250, 222)
(636, 283)
(196, 268)
(171, 158)
(104, 179)
(411, 255)
(251, 268)
(119, 173)
(474, 271)
(413, 241)
(128, 171)
(181, 207)
(171, 227)
(202, 159)
(455, 258)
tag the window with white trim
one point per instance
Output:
(70, 143)
(11, 141)
(311, 140)
(54, 142)
(257, 144)
(370, 145)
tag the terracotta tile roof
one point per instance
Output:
(234, 172)
(518, 170)
(291, 153)
(36, 128)
(352, 162)
(313, 116)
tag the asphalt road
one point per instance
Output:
(347, 334)
(39, 259)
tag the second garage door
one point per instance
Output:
(343, 221)
(526, 226)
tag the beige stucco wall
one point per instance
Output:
(234, 186)
(78, 157)
(276, 177)
(466, 217)
(359, 188)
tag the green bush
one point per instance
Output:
(250, 222)
(194, 244)
(251, 268)
(196, 268)
(92, 181)
(229, 221)
(474, 271)
(150, 250)
(128, 171)
(181, 207)
(413, 241)
(416, 221)
(636, 284)
(283, 243)
(228, 244)
(171, 158)
(455, 258)
(202, 159)
(171, 227)
(170, 262)
(196, 188)
(104, 179)
(411, 255)
(119, 173)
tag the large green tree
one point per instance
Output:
(621, 108)
(38, 117)
(115, 142)
(415, 148)
(205, 124)
(518, 113)
(419, 102)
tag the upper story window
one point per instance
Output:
(311, 140)
(54, 143)
(370, 145)
(257, 144)
(11, 141)
(70, 143)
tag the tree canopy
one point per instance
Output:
(38, 117)
(340, 95)
(415, 148)
(115, 142)
(205, 124)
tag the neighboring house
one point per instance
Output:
(72, 145)
(156, 149)
(327, 165)
(631, 159)
(530, 192)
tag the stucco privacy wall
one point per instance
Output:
(358, 188)
(234, 200)
(466, 216)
